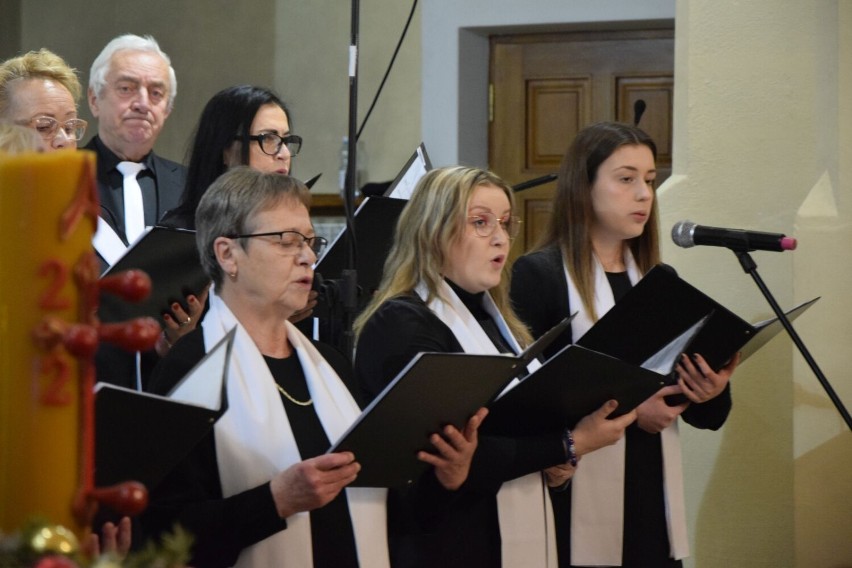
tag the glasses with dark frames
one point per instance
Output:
(271, 143)
(291, 242)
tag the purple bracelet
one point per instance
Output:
(570, 450)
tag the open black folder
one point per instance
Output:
(660, 307)
(568, 386)
(375, 221)
(141, 436)
(433, 390)
(170, 258)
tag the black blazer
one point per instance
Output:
(539, 294)
(168, 179)
(162, 188)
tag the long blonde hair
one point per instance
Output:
(431, 222)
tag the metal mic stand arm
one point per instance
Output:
(750, 267)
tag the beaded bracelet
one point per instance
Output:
(570, 450)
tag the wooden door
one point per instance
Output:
(545, 88)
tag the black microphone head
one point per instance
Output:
(638, 110)
(682, 234)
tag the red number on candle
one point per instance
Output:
(56, 371)
(58, 274)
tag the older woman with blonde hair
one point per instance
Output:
(39, 90)
(443, 291)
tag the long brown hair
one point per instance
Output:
(573, 215)
(432, 220)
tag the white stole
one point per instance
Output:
(107, 243)
(597, 498)
(254, 442)
(523, 504)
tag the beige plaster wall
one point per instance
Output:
(822, 446)
(313, 41)
(759, 115)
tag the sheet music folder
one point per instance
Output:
(571, 384)
(170, 258)
(406, 180)
(661, 306)
(375, 221)
(141, 436)
(433, 390)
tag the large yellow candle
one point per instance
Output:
(47, 218)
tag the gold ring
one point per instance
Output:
(185, 323)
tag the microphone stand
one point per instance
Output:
(349, 275)
(750, 267)
(529, 184)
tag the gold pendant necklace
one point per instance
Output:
(309, 402)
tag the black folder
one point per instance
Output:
(433, 390)
(568, 386)
(141, 436)
(170, 258)
(375, 221)
(407, 178)
(310, 183)
(662, 306)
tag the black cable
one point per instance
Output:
(390, 66)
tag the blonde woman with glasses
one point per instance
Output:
(40, 91)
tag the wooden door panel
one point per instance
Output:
(537, 212)
(546, 87)
(657, 92)
(555, 112)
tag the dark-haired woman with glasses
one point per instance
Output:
(260, 489)
(242, 125)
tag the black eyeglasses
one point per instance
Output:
(291, 242)
(484, 224)
(271, 143)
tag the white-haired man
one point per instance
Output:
(132, 87)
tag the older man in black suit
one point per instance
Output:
(132, 88)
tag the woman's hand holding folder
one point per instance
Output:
(455, 451)
(596, 430)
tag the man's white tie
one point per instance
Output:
(134, 209)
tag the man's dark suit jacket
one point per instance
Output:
(162, 184)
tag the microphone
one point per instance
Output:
(638, 110)
(687, 234)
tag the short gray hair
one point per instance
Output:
(131, 42)
(230, 204)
